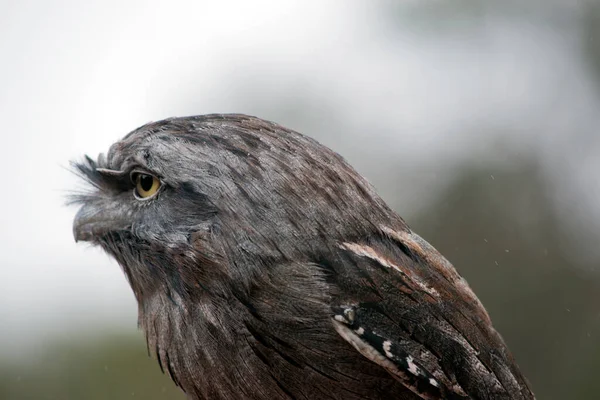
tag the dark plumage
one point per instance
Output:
(265, 267)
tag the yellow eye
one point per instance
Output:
(146, 185)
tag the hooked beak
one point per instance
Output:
(92, 223)
(96, 218)
(87, 225)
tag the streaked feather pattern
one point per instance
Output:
(266, 267)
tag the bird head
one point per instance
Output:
(206, 202)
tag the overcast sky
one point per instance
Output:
(76, 76)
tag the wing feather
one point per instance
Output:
(429, 330)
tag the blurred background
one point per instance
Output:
(478, 121)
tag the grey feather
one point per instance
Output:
(266, 267)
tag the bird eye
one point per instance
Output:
(146, 185)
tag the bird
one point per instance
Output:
(265, 267)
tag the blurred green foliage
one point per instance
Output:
(497, 226)
(113, 367)
(501, 231)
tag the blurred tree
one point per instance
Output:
(497, 226)
(115, 367)
(499, 229)
(591, 36)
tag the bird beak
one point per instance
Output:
(87, 225)
(93, 222)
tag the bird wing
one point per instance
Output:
(402, 305)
